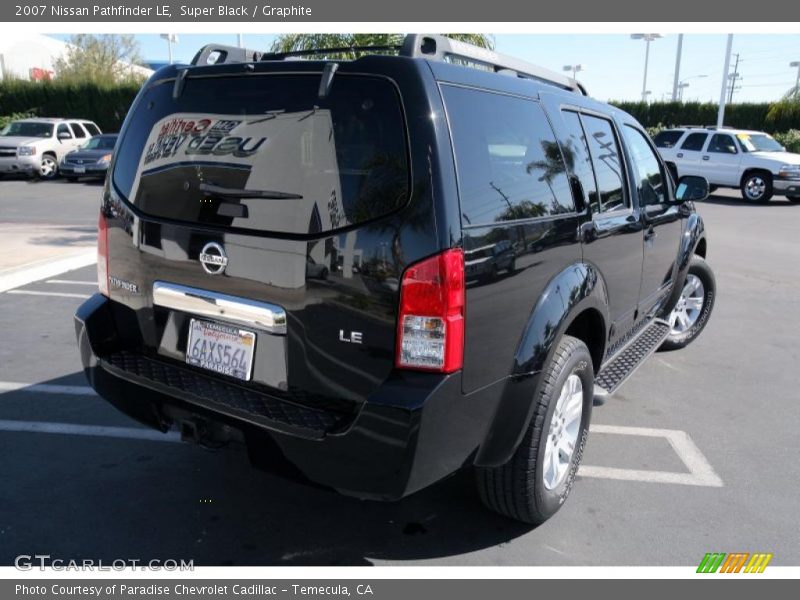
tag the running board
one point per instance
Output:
(615, 372)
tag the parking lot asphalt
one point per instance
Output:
(698, 452)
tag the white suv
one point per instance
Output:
(749, 160)
(35, 146)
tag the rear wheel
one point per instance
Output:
(538, 477)
(691, 313)
(757, 187)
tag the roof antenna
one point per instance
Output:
(327, 79)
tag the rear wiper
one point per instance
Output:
(226, 192)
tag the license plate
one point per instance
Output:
(79, 169)
(221, 348)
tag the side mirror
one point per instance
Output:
(64, 136)
(691, 188)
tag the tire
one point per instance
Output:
(524, 488)
(793, 199)
(49, 168)
(756, 187)
(512, 267)
(684, 334)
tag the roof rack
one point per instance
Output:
(218, 54)
(443, 48)
(430, 47)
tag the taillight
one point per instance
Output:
(102, 254)
(430, 324)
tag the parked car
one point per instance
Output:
(485, 262)
(34, 147)
(224, 180)
(736, 158)
(89, 160)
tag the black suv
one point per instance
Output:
(282, 247)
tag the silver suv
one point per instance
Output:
(35, 146)
(752, 161)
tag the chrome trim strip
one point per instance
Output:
(242, 311)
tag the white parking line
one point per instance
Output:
(129, 433)
(53, 294)
(71, 282)
(46, 388)
(28, 274)
(700, 471)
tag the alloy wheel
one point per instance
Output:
(755, 188)
(563, 433)
(687, 310)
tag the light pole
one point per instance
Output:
(725, 70)
(575, 69)
(796, 63)
(676, 79)
(682, 85)
(172, 38)
(647, 37)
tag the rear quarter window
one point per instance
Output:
(508, 162)
(667, 139)
(292, 161)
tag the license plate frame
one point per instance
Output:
(208, 341)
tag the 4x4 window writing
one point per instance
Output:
(509, 163)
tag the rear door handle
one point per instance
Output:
(706, 158)
(680, 154)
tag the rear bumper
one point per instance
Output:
(415, 429)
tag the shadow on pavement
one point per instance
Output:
(739, 201)
(76, 496)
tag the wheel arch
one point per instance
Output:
(575, 302)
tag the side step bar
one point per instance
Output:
(615, 372)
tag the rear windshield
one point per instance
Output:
(267, 153)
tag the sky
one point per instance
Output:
(613, 63)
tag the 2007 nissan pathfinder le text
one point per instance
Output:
(379, 271)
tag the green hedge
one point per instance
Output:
(762, 116)
(106, 105)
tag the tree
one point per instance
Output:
(100, 59)
(306, 41)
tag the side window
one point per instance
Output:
(607, 162)
(576, 155)
(722, 143)
(649, 178)
(62, 128)
(77, 130)
(694, 142)
(91, 128)
(508, 161)
(667, 139)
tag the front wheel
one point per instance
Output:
(757, 187)
(49, 167)
(538, 477)
(691, 313)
